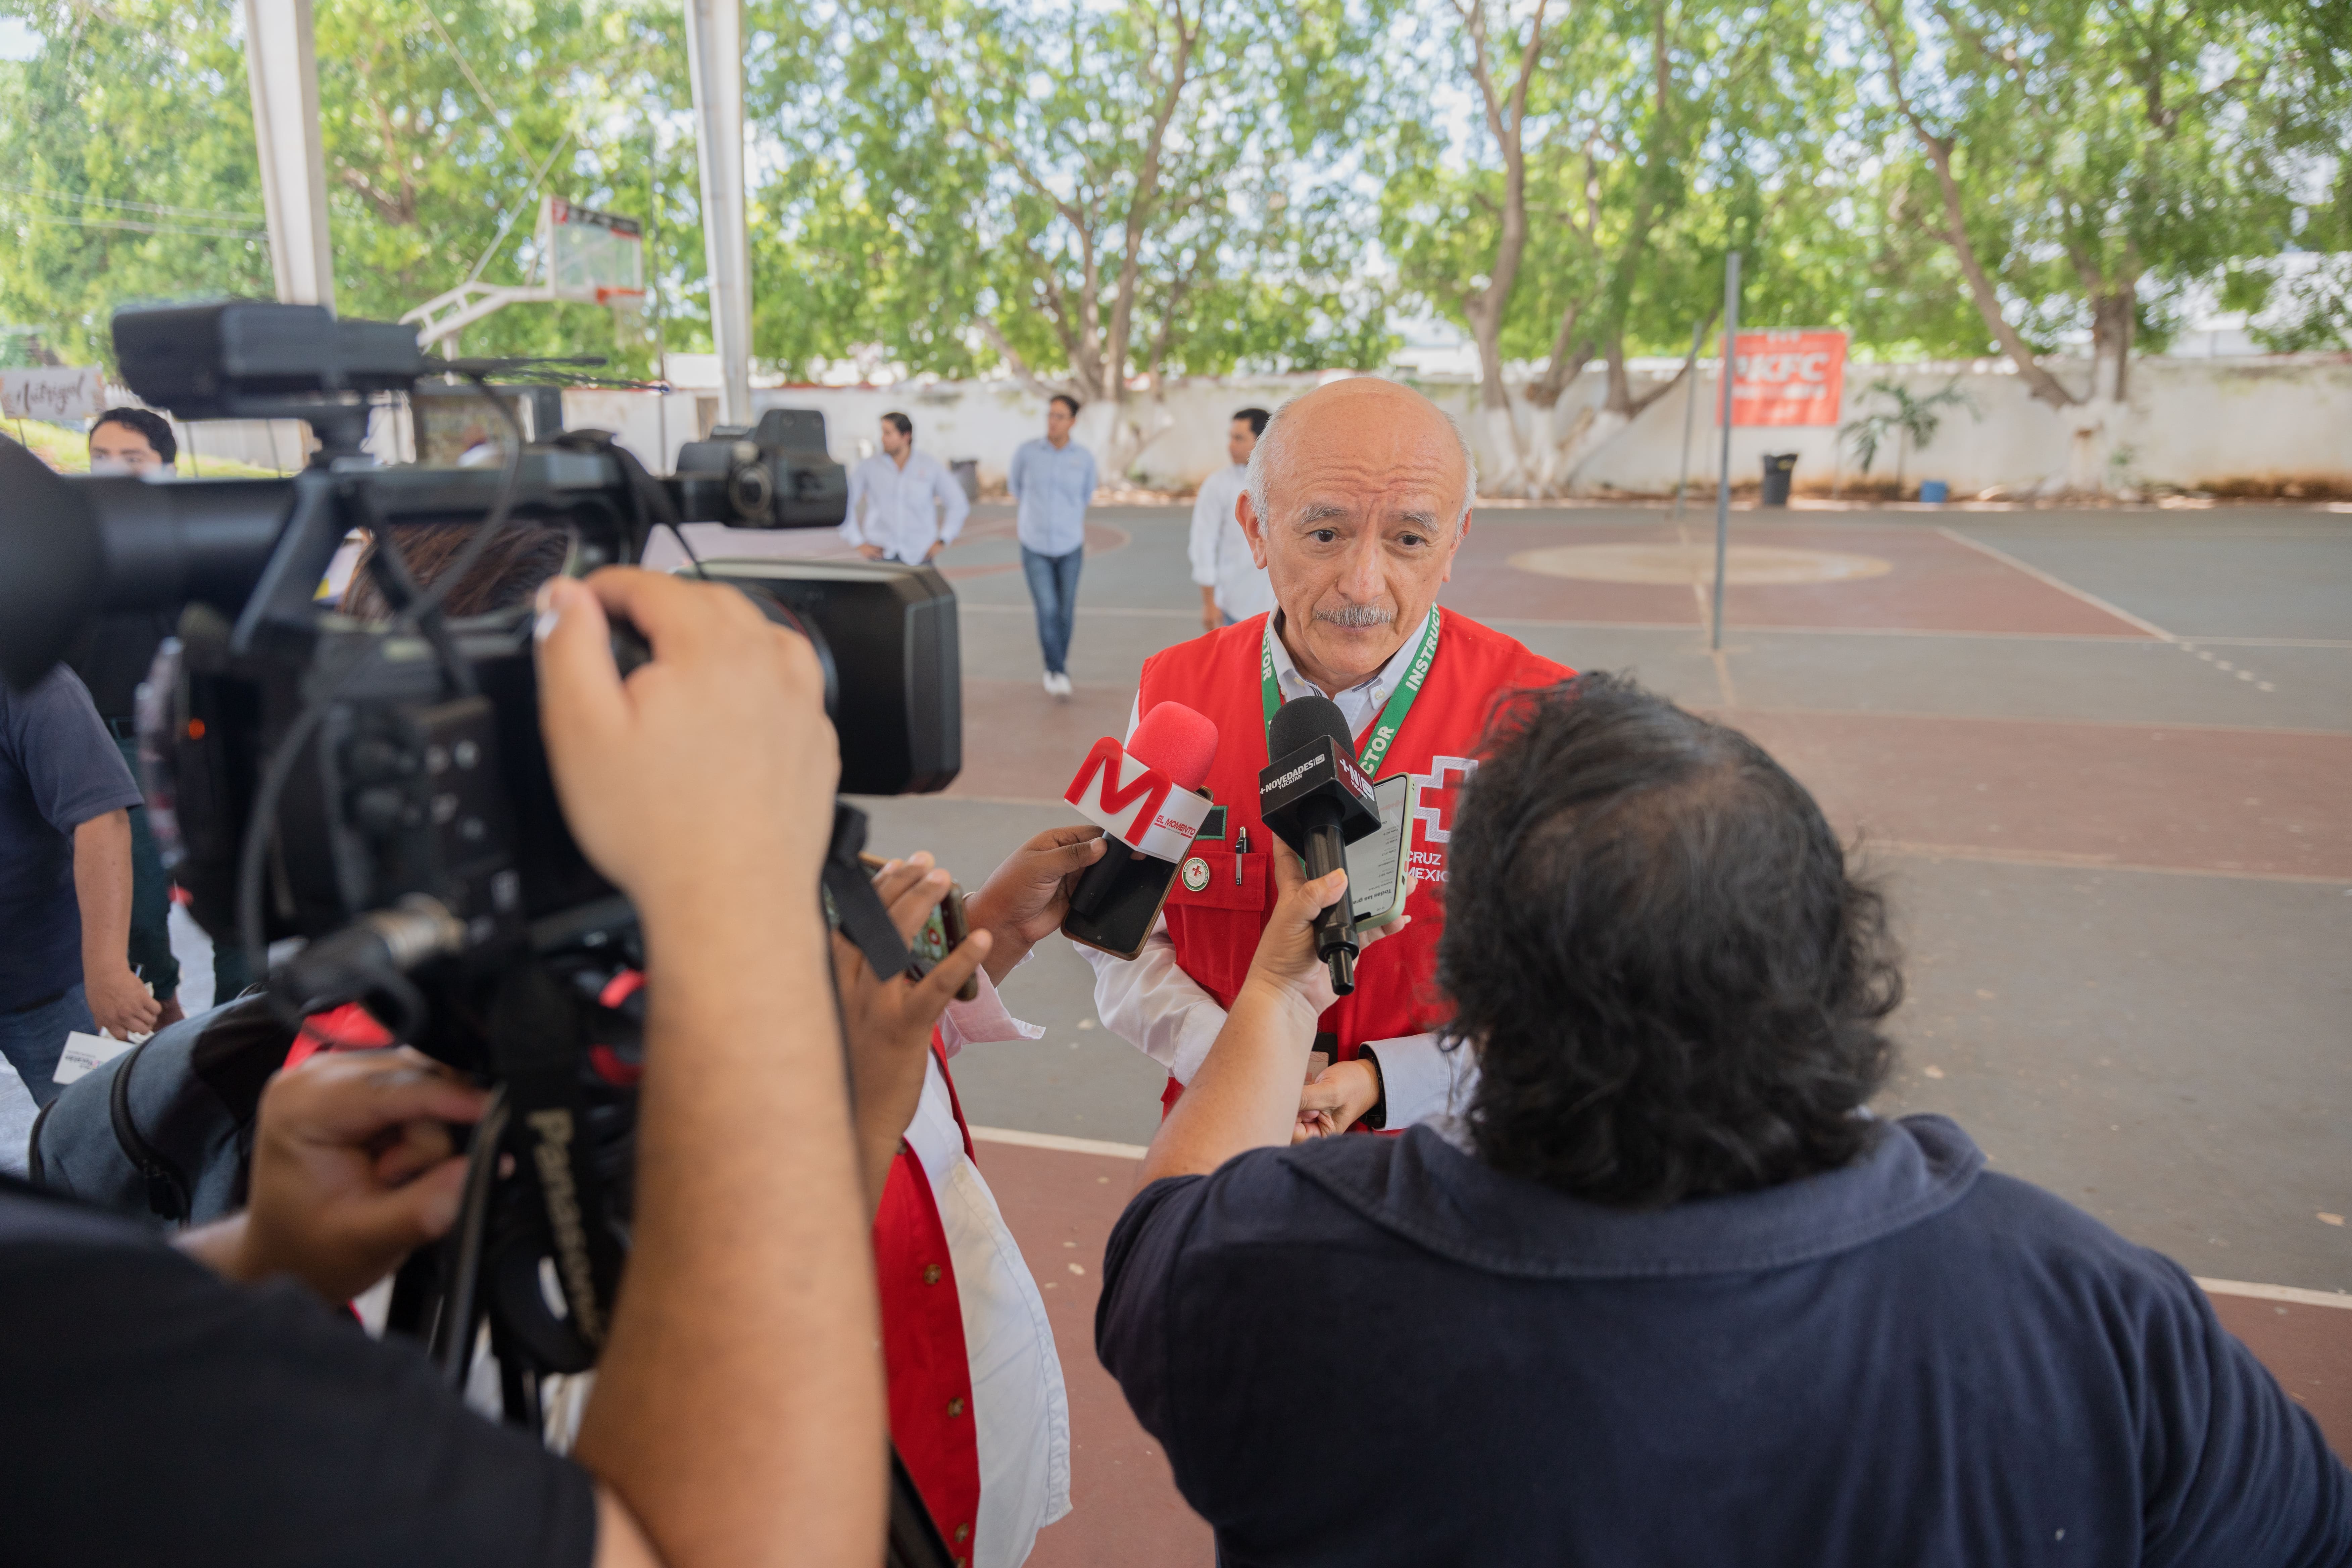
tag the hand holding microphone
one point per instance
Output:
(1319, 802)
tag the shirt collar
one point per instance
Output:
(1291, 684)
(1426, 1191)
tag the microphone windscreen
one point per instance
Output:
(1303, 720)
(1176, 742)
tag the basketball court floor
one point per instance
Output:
(2102, 760)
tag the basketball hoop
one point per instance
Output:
(590, 254)
(586, 256)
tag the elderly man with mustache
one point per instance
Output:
(1358, 496)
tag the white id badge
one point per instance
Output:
(86, 1053)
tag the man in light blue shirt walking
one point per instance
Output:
(1053, 479)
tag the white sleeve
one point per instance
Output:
(1423, 1081)
(849, 528)
(954, 504)
(1207, 531)
(983, 1020)
(1151, 1003)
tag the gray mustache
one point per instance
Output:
(1357, 615)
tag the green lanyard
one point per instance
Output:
(1376, 744)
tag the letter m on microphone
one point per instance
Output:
(1140, 808)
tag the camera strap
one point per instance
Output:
(858, 909)
(536, 1040)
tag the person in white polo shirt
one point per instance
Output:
(904, 505)
(1233, 586)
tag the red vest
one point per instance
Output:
(923, 1342)
(1216, 929)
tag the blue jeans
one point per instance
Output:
(34, 1038)
(1053, 584)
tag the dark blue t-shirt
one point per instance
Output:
(58, 768)
(1369, 1350)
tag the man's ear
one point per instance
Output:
(1460, 533)
(1246, 513)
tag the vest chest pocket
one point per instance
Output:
(1205, 878)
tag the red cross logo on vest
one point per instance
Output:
(1436, 794)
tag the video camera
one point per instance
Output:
(404, 763)
(382, 792)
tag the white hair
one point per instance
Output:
(1270, 451)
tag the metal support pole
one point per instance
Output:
(1690, 417)
(1723, 485)
(714, 50)
(281, 65)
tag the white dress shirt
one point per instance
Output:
(1151, 1003)
(904, 511)
(1021, 1412)
(1221, 552)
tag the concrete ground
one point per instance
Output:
(2099, 759)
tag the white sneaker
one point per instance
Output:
(1058, 683)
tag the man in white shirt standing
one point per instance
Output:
(903, 504)
(1233, 586)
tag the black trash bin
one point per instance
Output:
(1779, 471)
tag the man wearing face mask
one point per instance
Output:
(112, 658)
(1359, 494)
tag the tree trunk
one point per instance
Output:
(1559, 464)
(2095, 424)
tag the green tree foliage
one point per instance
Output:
(2073, 154)
(1085, 195)
(1615, 152)
(1101, 196)
(127, 169)
(129, 142)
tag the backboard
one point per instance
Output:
(591, 256)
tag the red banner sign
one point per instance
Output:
(1786, 378)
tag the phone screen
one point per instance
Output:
(1377, 868)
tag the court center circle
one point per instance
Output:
(1745, 566)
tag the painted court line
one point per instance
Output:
(1061, 1144)
(1057, 1142)
(2276, 1293)
(2060, 860)
(2039, 575)
(1744, 628)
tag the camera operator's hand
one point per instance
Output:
(710, 768)
(739, 1411)
(889, 1020)
(1026, 898)
(353, 1168)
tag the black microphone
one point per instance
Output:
(1319, 802)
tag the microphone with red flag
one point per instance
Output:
(1146, 797)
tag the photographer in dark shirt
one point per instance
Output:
(1668, 1294)
(155, 1414)
(112, 657)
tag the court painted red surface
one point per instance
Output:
(2266, 802)
(1937, 583)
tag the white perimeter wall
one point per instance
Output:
(2195, 423)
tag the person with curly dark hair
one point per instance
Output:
(1668, 1292)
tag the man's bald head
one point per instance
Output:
(1358, 494)
(1370, 411)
